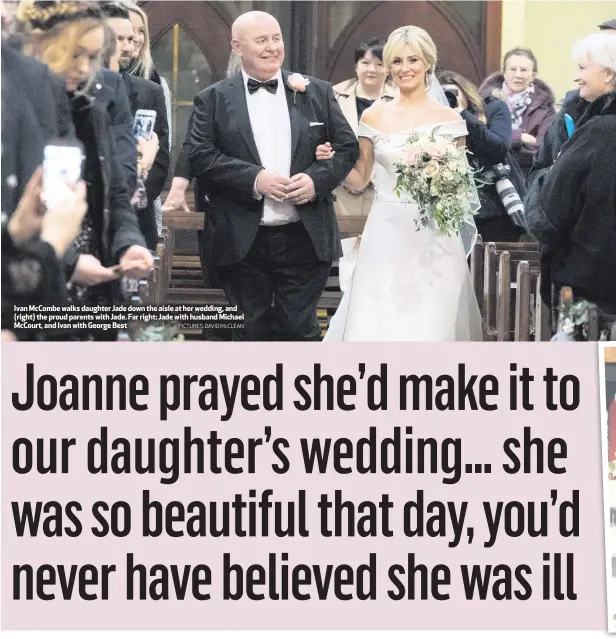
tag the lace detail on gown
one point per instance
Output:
(407, 285)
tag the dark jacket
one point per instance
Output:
(117, 227)
(183, 169)
(556, 135)
(145, 94)
(31, 274)
(535, 120)
(45, 91)
(574, 216)
(35, 112)
(489, 144)
(121, 120)
(224, 157)
(553, 141)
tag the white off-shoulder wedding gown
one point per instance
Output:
(406, 284)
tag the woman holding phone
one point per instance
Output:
(69, 37)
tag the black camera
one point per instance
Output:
(501, 171)
(452, 97)
(499, 176)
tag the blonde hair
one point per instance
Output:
(416, 38)
(144, 64)
(59, 44)
(54, 33)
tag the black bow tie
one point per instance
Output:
(270, 85)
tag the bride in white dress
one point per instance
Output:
(407, 284)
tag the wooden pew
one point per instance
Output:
(182, 279)
(477, 269)
(542, 319)
(503, 307)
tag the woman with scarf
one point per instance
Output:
(530, 100)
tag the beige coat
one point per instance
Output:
(347, 204)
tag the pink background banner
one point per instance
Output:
(482, 434)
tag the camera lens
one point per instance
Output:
(452, 98)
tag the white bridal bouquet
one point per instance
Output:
(436, 174)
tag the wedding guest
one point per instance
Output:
(33, 239)
(489, 140)
(557, 134)
(143, 67)
(574, 213)
(354, 96)
(118, 108)
(530, 100)
(143, 64)
(69, 37)
(33, 243)
(142, 94)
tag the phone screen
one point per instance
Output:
(61, 167)
(143, 126)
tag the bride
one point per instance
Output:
(407, 284)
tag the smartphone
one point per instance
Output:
(143, 126)
(61, 167)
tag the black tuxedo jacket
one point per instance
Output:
(226, 162)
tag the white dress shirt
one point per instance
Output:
(271, 128)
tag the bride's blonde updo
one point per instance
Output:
(420, 42)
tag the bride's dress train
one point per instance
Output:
(407, 285)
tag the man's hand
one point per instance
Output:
(146, 152)
(272, 185)
(27, 218)
(176, 200)
(526, 138)
(89, 271)
(136, 263)
(301, 190)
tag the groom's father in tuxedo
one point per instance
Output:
(270, 226)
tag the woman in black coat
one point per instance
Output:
(489, 140)
(69, 37)
(573, 211)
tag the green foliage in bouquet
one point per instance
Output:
(573, 319)
(436, 175)
(170, 333)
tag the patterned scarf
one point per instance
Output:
(518, 103)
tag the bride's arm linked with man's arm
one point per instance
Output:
(361, 174)
(341, 152)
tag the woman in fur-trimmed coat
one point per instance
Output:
(530, 101)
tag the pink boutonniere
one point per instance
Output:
(297, 82)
